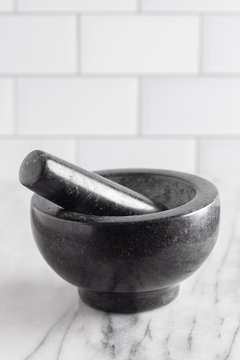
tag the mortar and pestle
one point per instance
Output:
(125, 238)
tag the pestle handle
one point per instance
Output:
(79, 190)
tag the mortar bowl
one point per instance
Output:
(129, 264)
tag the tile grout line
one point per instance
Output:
(198, 155)
(120, 12)
(15, 7)
(78, 44)
(76, 150)
(121, 137)
(15, 109)
(201, 45)
(119, 75)
(139, 6)
(139, 107)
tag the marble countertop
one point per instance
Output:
(42, 318)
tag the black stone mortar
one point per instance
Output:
(134, 263)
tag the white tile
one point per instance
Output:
(93, 106)
(220, 156)
(77, 5)
(191, 106)
(221, 44)
(190, 5)
(13, 151)
(145, 153)
(6, 107)
(139, 44)
(6, 5)
(37, 44)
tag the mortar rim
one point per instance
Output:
(206, 194)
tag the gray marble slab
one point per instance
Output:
(42, 318)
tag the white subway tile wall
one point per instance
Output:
(139, 44)
(77, 5)
(6, 5)
(37, 44)
(221, 52)
(193, 106)
(140, 153)
(220, 156)
(190, 5)
(77, 106)
(121, 83)
(6, 107)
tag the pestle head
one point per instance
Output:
(32, 168)
(79, 190)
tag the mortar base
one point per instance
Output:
(129, 302)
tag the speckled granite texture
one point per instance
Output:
(132, 263)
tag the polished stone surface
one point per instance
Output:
(132, 263)
(41, 316)
(79, 190)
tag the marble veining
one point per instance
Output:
(41, 316)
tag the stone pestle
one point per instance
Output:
(76, 189)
